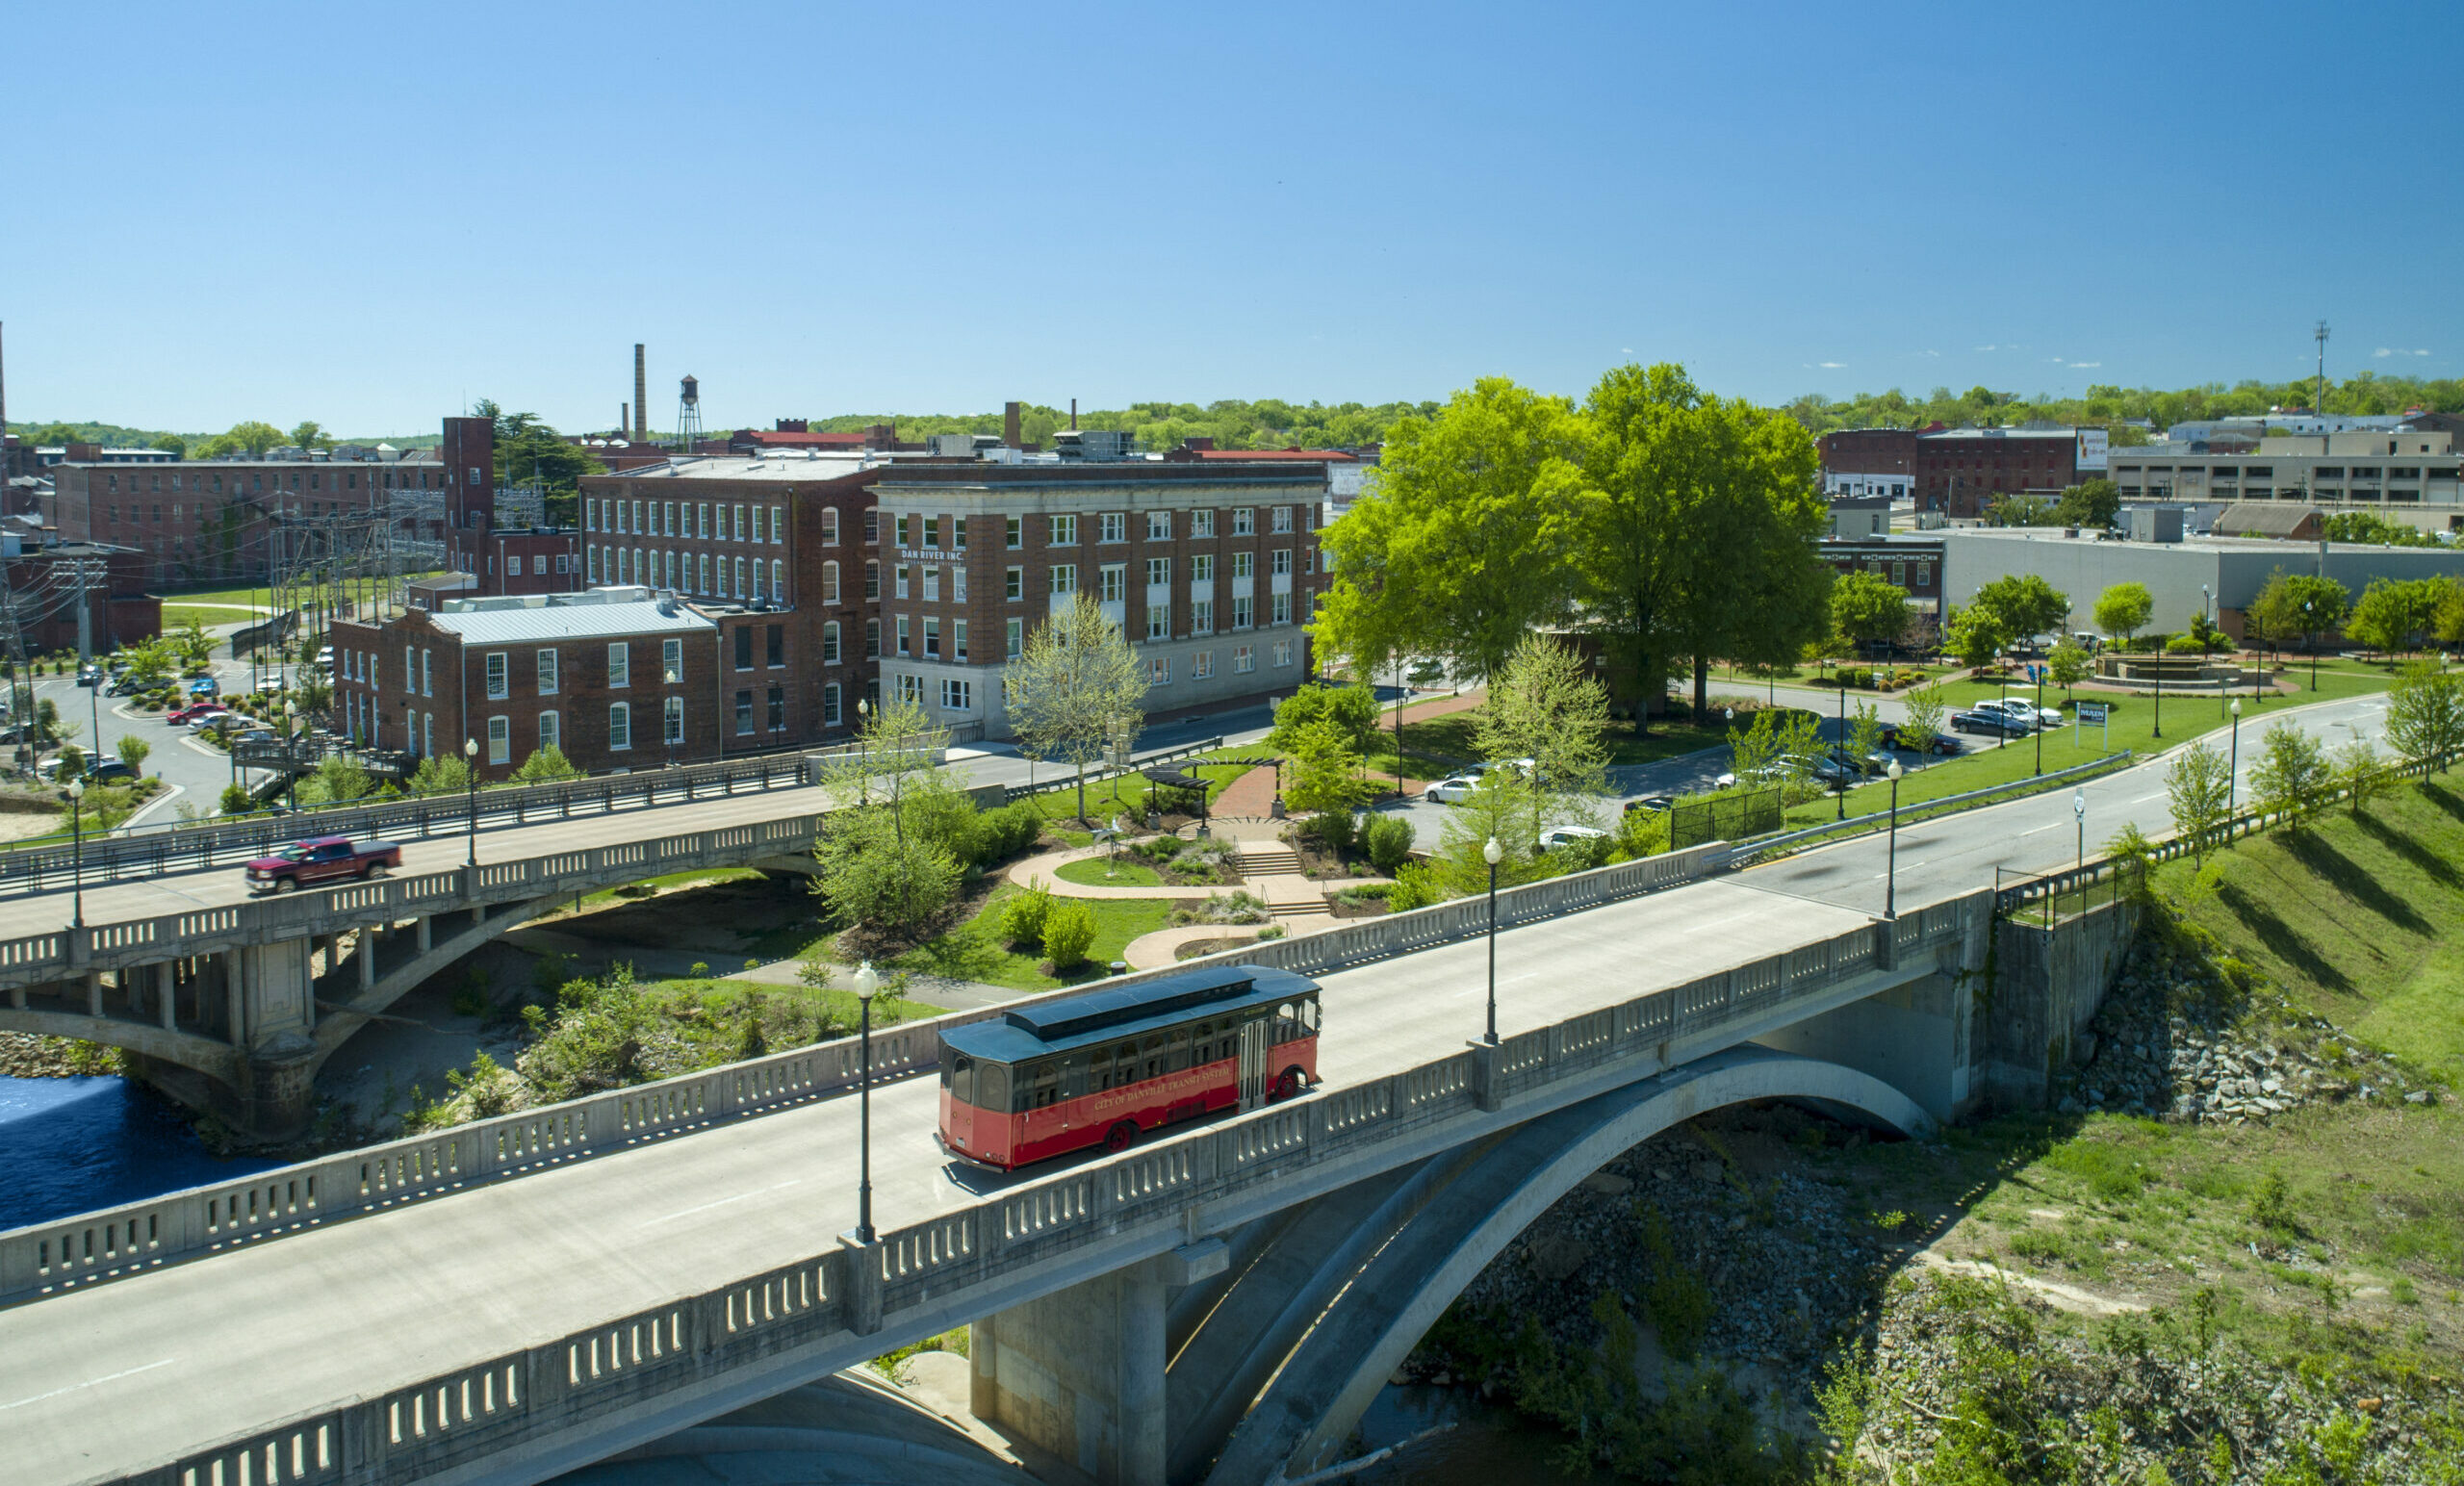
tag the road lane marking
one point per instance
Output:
(724, 1201)
(89, 1383)
(2047, 826)
(2158, 795)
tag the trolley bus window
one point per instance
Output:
(960, 1078)
(1202, 1050)
(1045, 1079)
(1287, 1022)
(1074, 1075)
(1099, 1069)
(1309, 1017)
(1150, 1050)
(992, 1087)
(1176, 1052)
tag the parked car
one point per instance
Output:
(1451, 791)
(194, 713)
(1795, 766)
(1652, 803)
(1518, 765)
(205, 687)
(89, 675)
(1993, 719)
(111, 771)
(1846, 761)
(1938, 743)
(325, 860)
(2022, 710)
(1559, 835)
(122, 684)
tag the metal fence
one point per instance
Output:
(1832, 832)
(1100, 775)
(1731, 818)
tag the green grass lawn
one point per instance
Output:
(209, 615)
(1434, 749)
(649, 886)
(1127, 872)
(974, 950)
(1057, 799)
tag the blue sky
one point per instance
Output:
(371, 216)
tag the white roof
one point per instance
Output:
(570, 622)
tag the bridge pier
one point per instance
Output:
(364, 953)
(424, 933)
(1080, 1373)
(166, 1000)
(94, 994)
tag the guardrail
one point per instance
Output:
(482, 1408)
(1751, 852)
(36, 958)
(113, 1242)
(1097, 776)
(210, 843)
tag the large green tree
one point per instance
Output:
(2027, 605)
(1544, 706)
(2092, 502)
(1460, 545)
(1698, 515)
(2297, 605)
(528, 451)
(2392, 614)
(2124, 609)
(1868, 610)
(1076, 689)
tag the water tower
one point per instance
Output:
(688, 417)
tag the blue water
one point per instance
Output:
(70, 1146)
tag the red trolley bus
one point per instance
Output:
(1065, 1073)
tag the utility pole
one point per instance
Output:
(2320, 399)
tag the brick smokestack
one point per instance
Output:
(641, 396)
(1010, 424)
(624, 418)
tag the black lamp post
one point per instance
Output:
(471, 762)
(2156, 689)
(2039, 720)
(1493, 854)
(1843, 744)
(77, 845)
(2079, 814)
(2233, 765)
(2310, 638)
(867, 981)
(291, 752)
(2002, 693)
(1891, 875)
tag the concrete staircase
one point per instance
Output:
(1272, 873)
(1269, 858)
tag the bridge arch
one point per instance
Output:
(1384, 1307)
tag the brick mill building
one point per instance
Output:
(1961, 471)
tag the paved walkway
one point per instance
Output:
(1252, 795)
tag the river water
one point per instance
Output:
(70, 1146)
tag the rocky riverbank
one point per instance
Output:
(26, 1055)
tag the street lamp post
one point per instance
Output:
(290, 752)
(2233, 765)
(867, 981)
(77, 845)
(1891, 876)
(2156, 690)
(2310, 641)
(471, 767)
(2039, 720)
(2079, 814)
(2002, 692)
(1493, 854)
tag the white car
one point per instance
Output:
(1518, 765)
(2024, 711)
(1451, 791)
(1559, 835)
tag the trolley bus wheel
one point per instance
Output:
(1290, 1083)
(1121, 1136)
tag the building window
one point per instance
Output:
(778, 704)
(898, 526)
(931, 637)
(872, 579)
(1011, 537)
(1282, 562)
(830, 643)
(958, 639)
(1283, 608)
(1159, 526)
(620, 726)
(1159, 570)
(1202, 567)
(777, 528)
(1013, 583)
(1063, 533)
(956, 695)
(774, 646)
(829, 705)
(872, 527)
(1112, 582)
(1244, 521)
(703, 586)
(902, 634)
(1244, 564)
(958, 584)
(1243, 612)
(1283, 518)
(1013, 634)
(743, 648)
(1158, 671)
(1201, 616)
(674, 713)
(830, 526)
(671, 662)
(744, 714)
(546, 673)
(932, 585)
(910, 689)
(428, 672)
(778, 580)
(931, 532)
(738, 591)
(1115, 524)
(872, 639)
(497, 684)
(594, 565)
(1064, 578)
(499, 739)
(830, 582)
(739, 523)
(1283, 652)
(1202, 666)
(1159, 621)
(619, 664)
(1924, 575)
(1898, 574)
(552, 730)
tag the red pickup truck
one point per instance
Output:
(325, 860)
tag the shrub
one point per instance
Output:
(1010, 831)
(237, 800)
(1389, 842)
(1337, 829)
(1271, 931)
(1069, 929)
(1415, 887)
(1023, 917)
(2185, 645)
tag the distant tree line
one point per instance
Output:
(2367, 394)
(1270, 422)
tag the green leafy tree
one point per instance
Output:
(171, 444)
(1777, 742)
(252, 437)
(2292, 776)
(2018, 509)
(1976, 636)
(2292, 606)
(2124, 609)
(2369, 528)
(1868, 611)
(1699, 516)
(2198, 782)
(2447, 622)
(1545, 707)
(1502, 806)
(2361, 772)
(311, 435)
(1922, 711)
(546, 765)
(72, 763)
(1865, 734)
(2093, 502)
(1388, 840)
(1459, 546)
(335, 781)
(901, 832)
(2393, 613)
(1023, 915)
(2068, 666)
(1068, 933)
(1325, 775)
(235, 799)
(1353, 710)
(2027, 605)
(1076, 688)
(529, 451)
(2425, 713)
(440, 773)
(193, 647)
(133, 752)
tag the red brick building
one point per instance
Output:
(1913, 563)
(1959, 471)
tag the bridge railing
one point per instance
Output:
(469, 1412)
(209, 843)
(1101, 773)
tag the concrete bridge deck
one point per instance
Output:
(117, 1379)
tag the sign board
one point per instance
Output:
(2093, 711)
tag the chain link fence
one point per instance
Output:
(1728, 817)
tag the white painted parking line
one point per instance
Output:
(89, 1383)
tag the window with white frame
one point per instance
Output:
(1202, 523)
(958, 639)
(671, 662)
(1013, 583)
(1012, 534)
(1159, 621)
(1283, 518)
(902, 634)
(778, 529)
(1159, 570)
(546, 673)
(1201, 616)
(830, 582)
(739, 523)
(513, 565)
(830, 526)
(1202, 666)
(428, 672)
(872, 639)
(1064, 578)
(1245, 658)
(552, 730)
(1244, 564)
(898, 578)
(1112, 582)
(1281, 559)
(1201, 567)
(1158, 671)
(1282, 608)
(910, 689)
(1244, 521)
(1159, 526)
(931, 637)
(958, 584)
(620, 726)
(619, 664)
(898, 531)
(1013, 636)
(744, 713)
(499, 739)
(738, 590)
(872, 579)
(1116, 526)
(674, 713)
(1244, 611)
(958, 695)
(1283, 650)
(830, 643)
(778, 580)
(830, 697)
(498, 686)
(932, 584)
(1063, 532)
